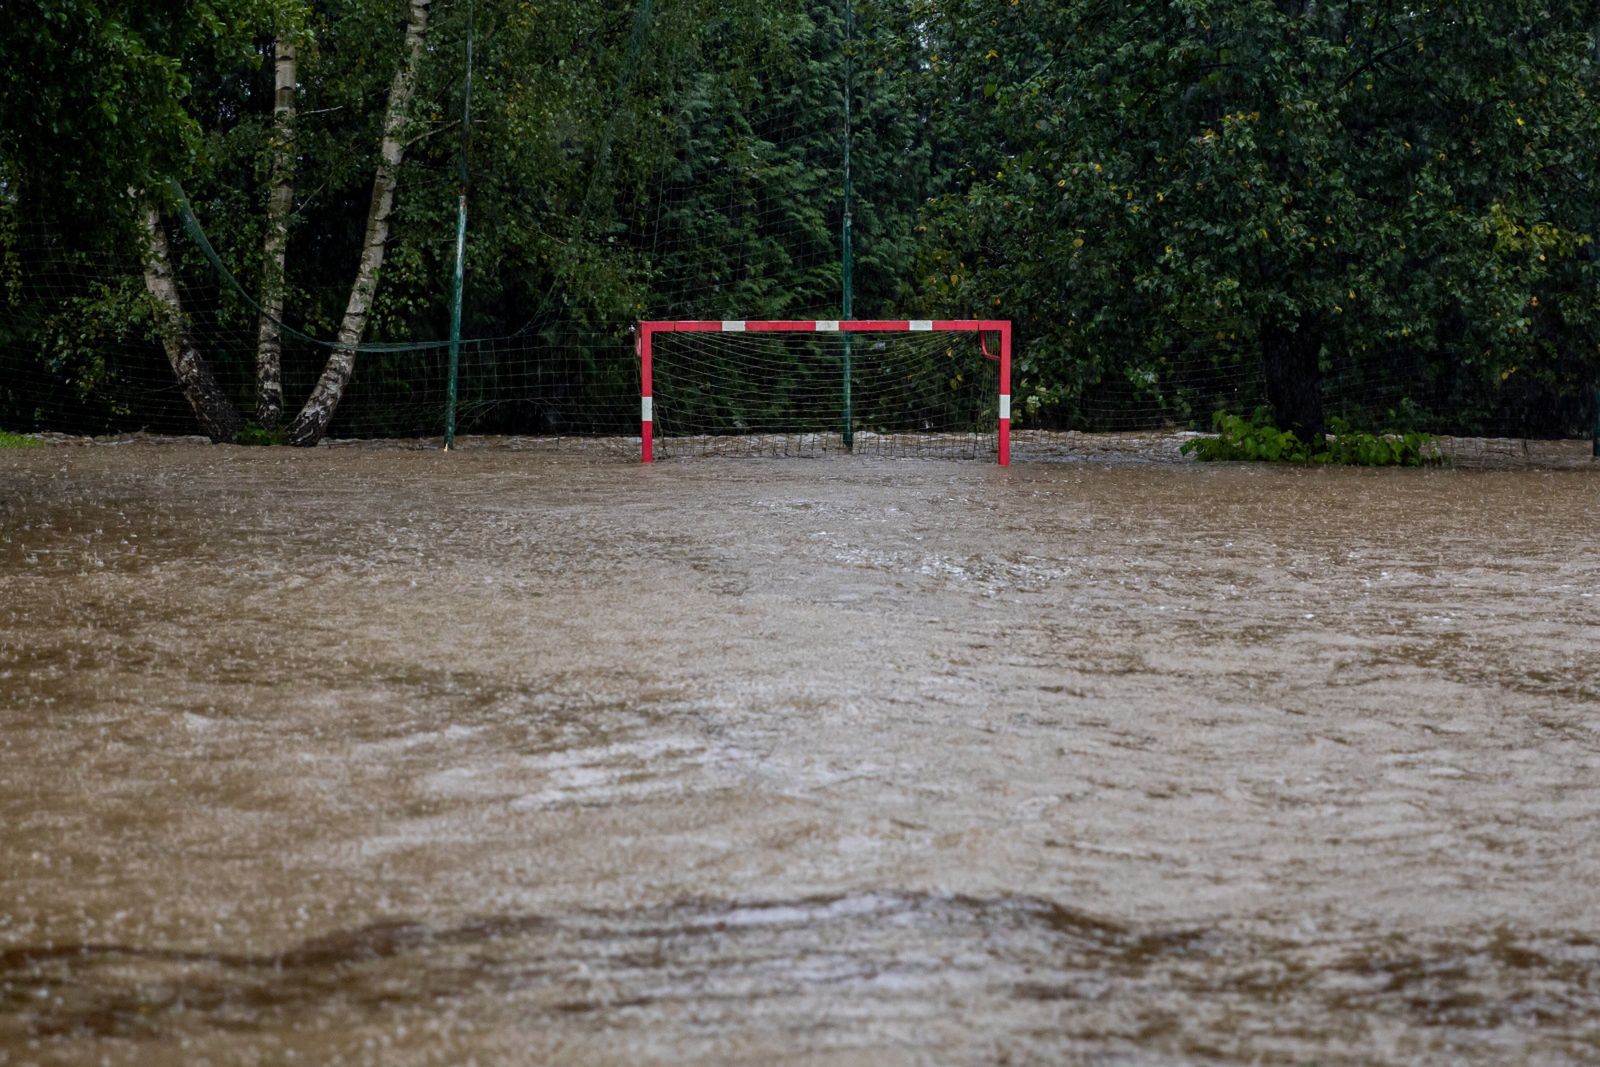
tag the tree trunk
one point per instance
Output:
(269, 339)
(1294, 380)
(218, 417)
(312, 422)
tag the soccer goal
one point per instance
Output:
(926, 387)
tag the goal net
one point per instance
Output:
(893, 388)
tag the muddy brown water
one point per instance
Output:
(388, 756)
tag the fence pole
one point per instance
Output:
(461, 248)
(455, 322)
(846, 238)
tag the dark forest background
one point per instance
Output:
(1379, 212)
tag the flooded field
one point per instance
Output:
(381, 755)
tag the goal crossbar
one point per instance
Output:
(648, 330)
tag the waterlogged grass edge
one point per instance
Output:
(1256, 439)
(17, 440)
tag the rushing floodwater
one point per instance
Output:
(388, 756)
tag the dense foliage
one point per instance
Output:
(1304, 202)
(1327, 186)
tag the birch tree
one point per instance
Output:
(280, 202)
(311, 423)
(218, 417)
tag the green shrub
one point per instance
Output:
(16, 440)
(253, 434)
(1255, 438)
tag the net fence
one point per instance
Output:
(80, 353)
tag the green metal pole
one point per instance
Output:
(847, 253)
(461, 249)
(455, 322)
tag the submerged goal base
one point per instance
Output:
(1001, 360)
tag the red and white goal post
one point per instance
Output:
(1000, 360)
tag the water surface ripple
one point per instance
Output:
(376, 755)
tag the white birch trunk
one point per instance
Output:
(312, 422)
(269, 338)
(218, 417)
